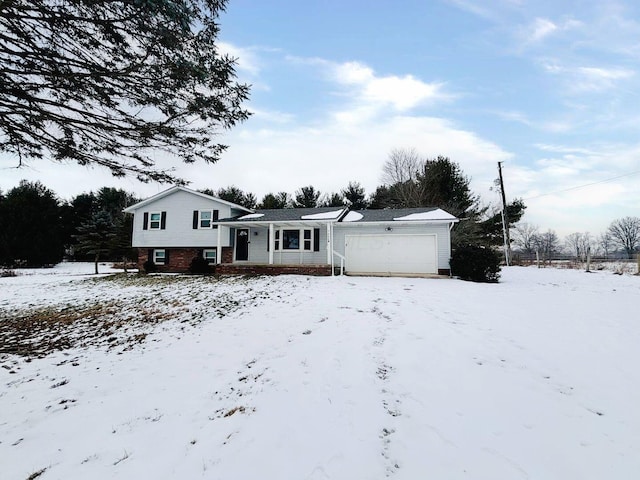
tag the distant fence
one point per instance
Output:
(618, 263)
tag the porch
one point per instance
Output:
(273, 269)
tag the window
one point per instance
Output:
(205, 219)
(155, 221)
(209, 256)
(307, 239)
(159, 257)
(291, 240)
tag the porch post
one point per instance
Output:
(331, 261)
(219, 246)
(329, 244)
(272, 243)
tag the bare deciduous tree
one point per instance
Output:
(401, 171)
(606, 243)
(547, 244)
(625, 233)
(525, 236)
(580, 245)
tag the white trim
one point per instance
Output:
(159, 227)
(215, 255)
(156, 251)
(301, 240)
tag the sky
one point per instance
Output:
(549, 88)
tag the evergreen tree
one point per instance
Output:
(279, 200)
(233, 194)
(333, 200)
(355, 197)
(108, 83)
(306, 197)
(31, 233)
(96, 236)
(444, 185)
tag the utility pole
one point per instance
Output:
(505, 220)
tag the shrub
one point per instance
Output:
(149, 266)
(476, 263)
(199, 265)
(4, 273)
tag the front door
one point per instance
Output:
(242, 244)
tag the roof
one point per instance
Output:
(339, 214)
(278, 215)
(177, 188)
(417, 215)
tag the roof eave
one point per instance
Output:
(169, 191)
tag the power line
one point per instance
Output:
(583, 186)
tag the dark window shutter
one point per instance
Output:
(150, 253)
(163, 220)
(200, 252)
(216, 216)
(195, 219)
(166, 257)
(145, 220)
(316, 239)
(268, 239)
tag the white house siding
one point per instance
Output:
(258, 249)
(179, 230)
(441, 230)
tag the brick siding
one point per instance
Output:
(243, 269)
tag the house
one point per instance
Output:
(174, 226)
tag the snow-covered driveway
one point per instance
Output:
(298, 377)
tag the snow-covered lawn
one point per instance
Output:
(297, 377)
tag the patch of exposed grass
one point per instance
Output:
(35, 475)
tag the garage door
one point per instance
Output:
(391, 254)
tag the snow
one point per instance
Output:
(323, 216)
(352, 216)
(251, 215)
(320, 377)
(437, 214)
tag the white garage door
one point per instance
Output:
(391, 254)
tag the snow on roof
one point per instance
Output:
(251, 215)
(437, 214)
(323, 215)
(353, 216)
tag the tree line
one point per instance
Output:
(40, 229)
(620, 239)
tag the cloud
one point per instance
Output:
(584, 79)
(580, 188)
(399, 92)
(540, 29)
(476, 8)
(329, 154)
